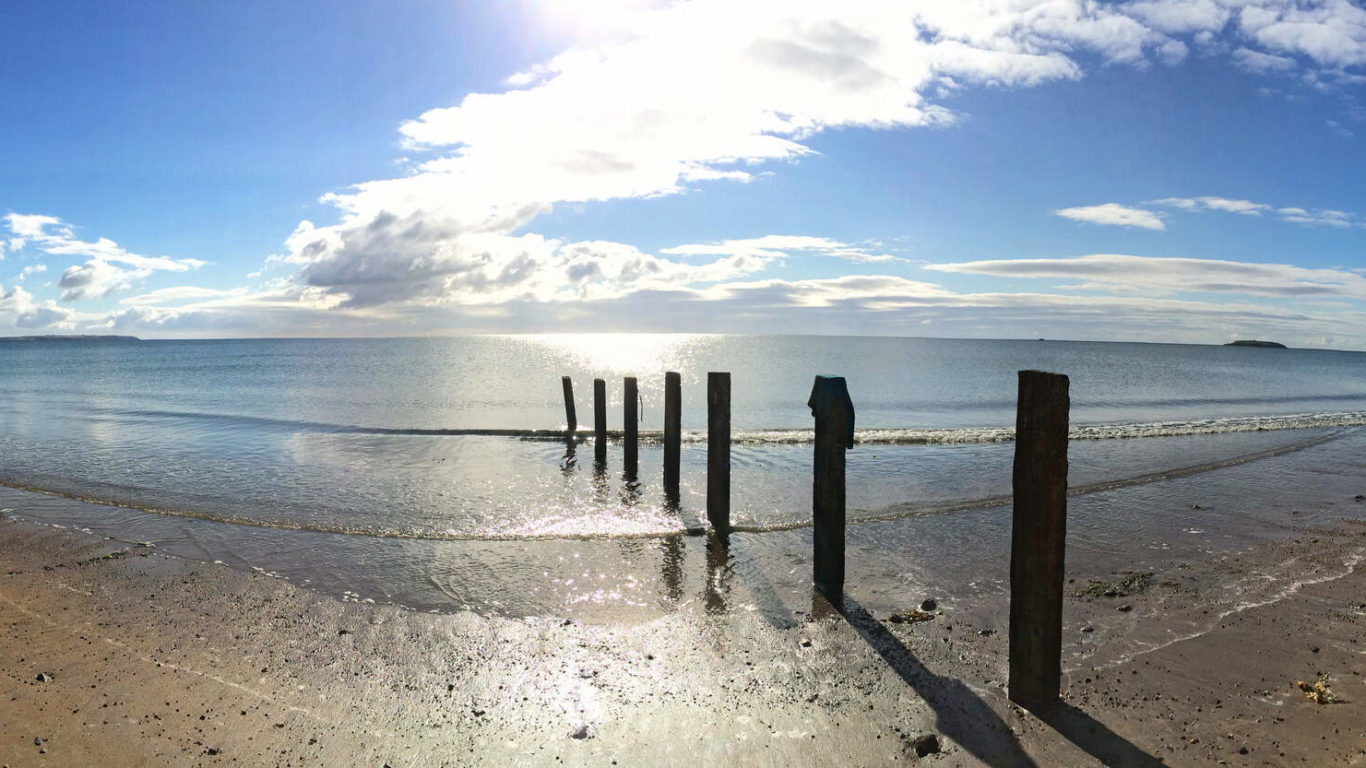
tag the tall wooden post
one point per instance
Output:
(570, 422)
(630, 448)
(673, 423)
(718, 451)
(599, 421)
(1038, 531)
(834, 413)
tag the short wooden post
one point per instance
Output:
(599, 421)
(834, 413)
(1038, 531)
(718, 451)
(571, 423)
(673, 423)
(630, 433)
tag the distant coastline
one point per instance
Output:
(71, 337)
(1256, 343)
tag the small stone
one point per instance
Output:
(928, 604)
(986, 632)
(43, 677)
(212, 750)
(1125, 608)
(342, 632)
(1088, 628)
(1359, 497)
(1242, 750)
(582, 732)
(37, 741)
(806, 642)
(927, 744)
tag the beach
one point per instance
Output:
(215, 553)
(119, 654)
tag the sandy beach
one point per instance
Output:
(115, 654)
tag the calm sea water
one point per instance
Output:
(443, 439)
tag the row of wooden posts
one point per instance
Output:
(1039, 485)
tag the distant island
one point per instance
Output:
(1255, 343)
(71, 337)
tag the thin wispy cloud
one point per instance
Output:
(1113, 214)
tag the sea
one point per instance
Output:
(437, 473)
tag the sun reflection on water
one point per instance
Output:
(626, 354)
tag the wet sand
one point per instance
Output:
(147, 659)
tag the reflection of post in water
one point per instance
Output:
(671, 566)
(718, 574)
(601, 488)
(567, 464)
(630, 491)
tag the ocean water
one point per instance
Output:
(320, 457)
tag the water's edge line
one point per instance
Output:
(897, 512)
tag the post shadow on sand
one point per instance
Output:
(963, 716)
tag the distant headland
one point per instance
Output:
(1256, 343)
(71, 337)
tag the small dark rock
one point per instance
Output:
(986, 632)
(582, 732)
(478, 712)
(806, 642)
(1359, 497)
(927, 744)
(211, 751)
(1125, 608)
(1088, 628)
(928, 604)
(341, 632)
(37, 741)
(1242, 750)
(43, 677)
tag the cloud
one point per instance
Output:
(774, 247)
(1113, 214)
(1262, 63)
(29, 270)
(180, 293)
(100, 275)
(1330, 32)
(1324, 218)
(19, 310)
(1244, 207)
(1123, 273)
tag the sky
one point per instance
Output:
(1156, 170)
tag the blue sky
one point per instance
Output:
(1154, 170)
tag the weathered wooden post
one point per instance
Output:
(1038, 530)
(600, 421)
(834, 413)
(630, 437)
(718, 452)
(571, 423)
(673, 423)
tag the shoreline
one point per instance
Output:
(153, 660)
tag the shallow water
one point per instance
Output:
(419, 471)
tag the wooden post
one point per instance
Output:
(673, 422)
(599, 421)
(571, 423)
(1038, 530)
(834, 413)
(718, 452)
(630, 429)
